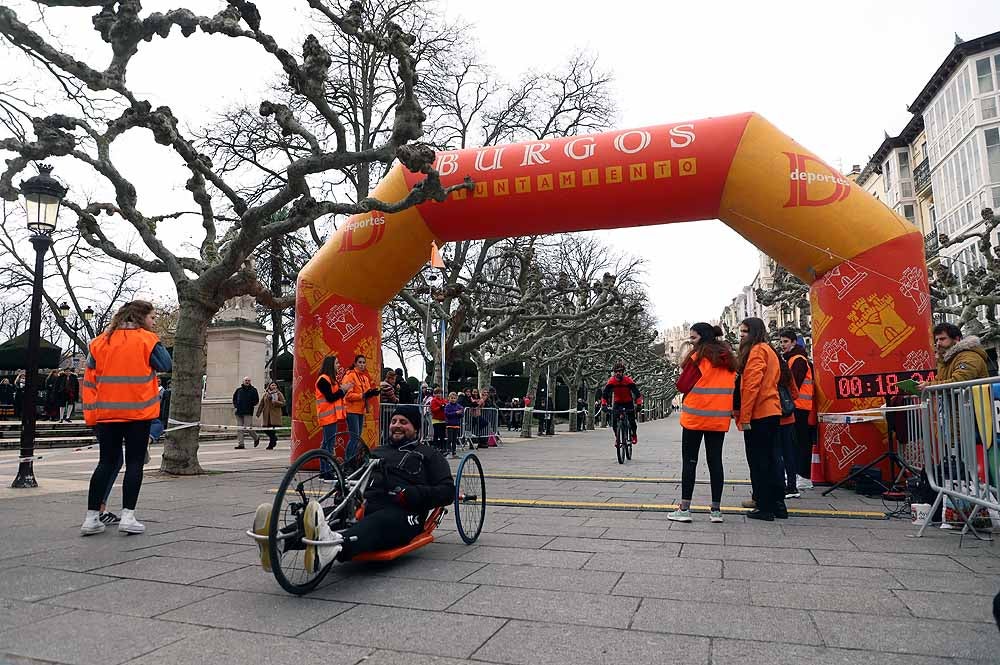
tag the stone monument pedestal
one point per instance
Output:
(235, 349)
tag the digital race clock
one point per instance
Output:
(885, 384)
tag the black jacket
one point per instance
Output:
(404, 392)
(419, 470)
(245, 399)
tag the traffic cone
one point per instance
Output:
(816, 470)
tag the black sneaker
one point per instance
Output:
(109, 518)
(760, 515)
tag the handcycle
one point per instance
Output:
(342, 501)
(623, 434)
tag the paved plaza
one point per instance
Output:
(542, 585)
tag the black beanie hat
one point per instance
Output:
(410, 412)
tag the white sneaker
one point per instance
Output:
(92, 523)
(318, 557)
(803, 483)
(261, 525)
(130, 524)
(715, 516)
(679, 516)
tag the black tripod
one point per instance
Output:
(891, 454)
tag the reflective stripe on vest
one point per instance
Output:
(803, 401)
(708, 407)
(121, 386)
(706, 412)
(328, 413)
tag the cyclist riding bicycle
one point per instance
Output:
(623, 394)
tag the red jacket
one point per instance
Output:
(437, 408)
(621, 392)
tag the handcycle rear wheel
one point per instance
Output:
(470, 498)
(284, 538)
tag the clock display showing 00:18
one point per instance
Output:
(885, 384)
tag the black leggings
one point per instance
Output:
(690, 443)
(803, 442)
(382, 530)
(453, 433)
(110, 436)
(766, 470)
(440, 437)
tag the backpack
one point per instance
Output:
(787, 402)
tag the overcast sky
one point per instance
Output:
(833, 76)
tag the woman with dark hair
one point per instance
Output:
(757, 408)
(707, 382)
(121, 398)
(786, 435)
(330, 409)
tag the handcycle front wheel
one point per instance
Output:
(285, 532)
(470, 498)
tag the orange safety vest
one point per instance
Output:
(122, 386)
(328, 413)
(804, 400)
(362, 384)
(709, 405)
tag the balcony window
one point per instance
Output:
(984, 75)
(904, 165)
(908, 213)
(993, 153)
(988, 107)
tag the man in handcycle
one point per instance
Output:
(622, 394)
(411, 480)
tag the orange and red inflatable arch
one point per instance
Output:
(871, 310)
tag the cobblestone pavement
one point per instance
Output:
(542, 585)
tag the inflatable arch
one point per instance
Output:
(866, 267)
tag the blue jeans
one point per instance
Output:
(329, 442)
(355, 424)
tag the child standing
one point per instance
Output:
(453, 417)
(437, 405)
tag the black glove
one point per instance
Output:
(372, 393)
(406, 498)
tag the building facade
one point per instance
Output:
(944, 166)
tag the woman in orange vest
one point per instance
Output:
(802, 374)
(120, 400)
(356, 400)
(707, 380)
(758, 412)
(330, 409)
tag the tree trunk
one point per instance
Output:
(530, 392)
(180, 451)
(574, 415)
(484, 375)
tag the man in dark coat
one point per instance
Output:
(245, 399)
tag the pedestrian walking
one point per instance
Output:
(757, 409)
(805, 430)
(331, 412)
(53, 405)
(6, 399)
(707, 381)
(68, 389)
(245, 398)
(120, 398)
(516, 414)
(19, 383)
(356, 400)
(270, 411)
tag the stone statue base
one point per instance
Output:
(235, 349)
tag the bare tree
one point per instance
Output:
(233, 223)
(969, 294)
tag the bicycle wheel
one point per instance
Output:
(628, 450)
(470, 498)
(284, 538)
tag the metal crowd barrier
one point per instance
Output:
(385, 415)
(479, 424)
(959, 432)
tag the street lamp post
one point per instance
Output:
(88, 316)
(43, 196)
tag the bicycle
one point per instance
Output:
(342, 501)
(623, 435)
